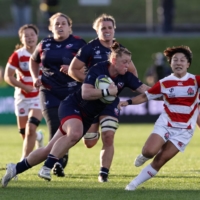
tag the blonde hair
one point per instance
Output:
(69, 21)
(102, 18)
(117, 50)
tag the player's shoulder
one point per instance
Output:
(21, 52)
(94, 42)
(101, 66)
(77, 38)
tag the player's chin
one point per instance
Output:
(122, 73)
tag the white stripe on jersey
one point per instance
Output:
(181, 98)
(19, 61)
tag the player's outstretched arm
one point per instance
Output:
(133, 101)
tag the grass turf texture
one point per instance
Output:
(178, 179)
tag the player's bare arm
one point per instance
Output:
(76, 70)
(143, 88)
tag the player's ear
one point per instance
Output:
(113, 59)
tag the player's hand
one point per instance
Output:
(28, 88)
(113, 90)
(122, 104)
(37, 83)
(64, 69)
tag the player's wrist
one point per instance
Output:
(129, 101)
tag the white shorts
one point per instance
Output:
(23, 106)
(178, 136)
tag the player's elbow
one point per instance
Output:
(85, 95)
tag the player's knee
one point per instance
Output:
(33, 120)
(109, 125)
(108, 138)
(32, 124)
(90, 139)
(148, 152)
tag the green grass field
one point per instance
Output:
(178, 179)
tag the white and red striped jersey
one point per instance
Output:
(19, 61)
(181, 97)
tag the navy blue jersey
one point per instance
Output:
(92, 53)
(52, 54)
(93, 108)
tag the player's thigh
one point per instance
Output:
(37, 113)
(73, 127)
(94, 128)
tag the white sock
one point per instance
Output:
(38, 136)
(147, 173)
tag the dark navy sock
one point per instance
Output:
(60, 161)
(103, 171)
(22, 166)
(51, 160)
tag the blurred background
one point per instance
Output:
(145, 27)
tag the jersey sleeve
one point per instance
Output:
(84, 54)
(132, 81)
(36, 54)
(154, 92)
(91, 76)
(198, 80)
(13, 61)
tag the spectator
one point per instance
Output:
(158, 70)
(21, 12)
(166, 15)
(47, 9)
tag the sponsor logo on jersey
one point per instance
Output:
(72, 84)
(68, 46)
(76, 111)
(179, 83)
(190, 91)
(120, 85)
(172, 94)
(97, 56)
(24, 66)
(46, 102)
(48, 45)
(116, 110)
(108, 53)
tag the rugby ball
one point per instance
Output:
(103, 82)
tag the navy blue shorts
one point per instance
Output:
(110, 110)
(69, 109)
